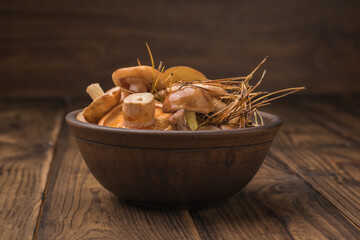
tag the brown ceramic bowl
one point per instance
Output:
(173, 169)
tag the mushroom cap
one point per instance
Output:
(178, 121)
(183, 73)
(190, 99)
(213, 91)
(113, 117)
(102, 105)
(145, 75)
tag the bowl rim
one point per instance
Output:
(275, 121)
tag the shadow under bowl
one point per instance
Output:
(173, 169)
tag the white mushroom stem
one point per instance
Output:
(95, 91)
(139, 110)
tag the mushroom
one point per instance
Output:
(227, 127)
(115, 117)
(102, 102)
(190, 99)
(213, 91)
(183, 73)
(178, 121)
(162, 122)
(137, 79)
(218, 104)
(80, 117)
(139, 110)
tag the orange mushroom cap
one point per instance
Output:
(101, 105)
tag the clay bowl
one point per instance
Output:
(173, 169)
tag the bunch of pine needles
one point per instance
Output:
(242, 102)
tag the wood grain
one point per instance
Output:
(28, 133)
(77, 207)
(277, 204)
(337, 114)
(314, 149)
(56, 48)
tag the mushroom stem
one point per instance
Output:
(124, 94)
(95, 91)
(139, 110)
(191, 120)
(137, 87)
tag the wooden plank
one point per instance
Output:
(77, 207)
(28, 132)
(275, 205)
(311, 43)
(337, 113)
(325, 159)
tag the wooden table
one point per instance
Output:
(307, 188)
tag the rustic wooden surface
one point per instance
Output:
(56, 48)
(28, 134)
(307, 188)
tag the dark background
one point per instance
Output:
(56, 48)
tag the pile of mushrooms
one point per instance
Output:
(179, 98)
(131, 105)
